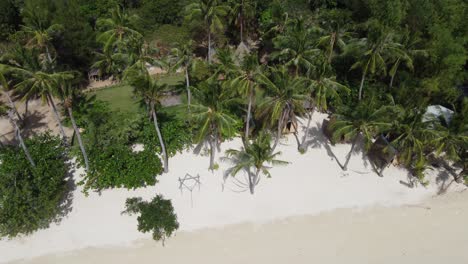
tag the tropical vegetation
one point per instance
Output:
(254, 69)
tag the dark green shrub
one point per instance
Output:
(31, 198)
(156, 216)
(117, 166)
(176, 134)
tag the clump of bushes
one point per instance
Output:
(117, 166)
(109, 137)
(156, 216)
(32, 197)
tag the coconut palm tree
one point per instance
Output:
(183, 59)
(68, 93)
(40, 37)
(284, 100)
(405, 55)
(296, 47)
(4, 110)
(211, 13)
(5, 90)
(117, 32)
(34, 84)
(243, 10)
(336, 32)
(373, 59)
(322, 88)
(452, 139)
(211, 117)
(253, 157)
(151, 92)
(413, 137)
(245, 83)
(367, 119)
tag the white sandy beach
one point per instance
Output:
(432, 233)
(312, 184)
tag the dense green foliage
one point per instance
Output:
(31, 198)
(156, 216)
(253, 68)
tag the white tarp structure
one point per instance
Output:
(433, 112)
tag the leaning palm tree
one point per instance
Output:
(68, 94)
(405, 55)
(117, 31)
(284, 100)
(151, 92)
(243, 11)
(5, 110)
(336, 34)
(211, 13)
(183, 59)
(414, 138)
(367, 119)
(5, 90)
(322, 88)
(253, 157)
(373, 59)
(296, 47)
(452, 139)
(245, 83)
(211, 117)
(44, 85)
(41, 37)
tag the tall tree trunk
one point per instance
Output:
(78, 136)
(332, 45)
(209, 46)
(163, 146)
(57, 117)
(241, 18)
(255, 180)
(26, 109)
(362, 83)
(187, 82)
(212, 152)
(12, 106)
(49, 57)
(306, 133)
(249, 113)
(279, 132)
(20, 139)
(348, 157)
(251, 182)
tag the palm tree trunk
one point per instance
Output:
(362, 83)
(163, 146)
(253, 182)
(21, 141)
(12, 106)
(78, 136)
(187, 82)
(279, 132)
(241, 18)
(57, 117)
(209, 46)
(26, 109)
(49, 57)
(348, 157)
(249, 113)
(332, 45)
(306, 132)
(213, 143)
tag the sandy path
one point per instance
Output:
(310, 185)
(434, 232)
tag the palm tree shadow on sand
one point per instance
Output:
(317, 139)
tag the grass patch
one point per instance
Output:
(167, 35)
(120, 97)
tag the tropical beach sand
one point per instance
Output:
(95, 231)
(432, 233)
